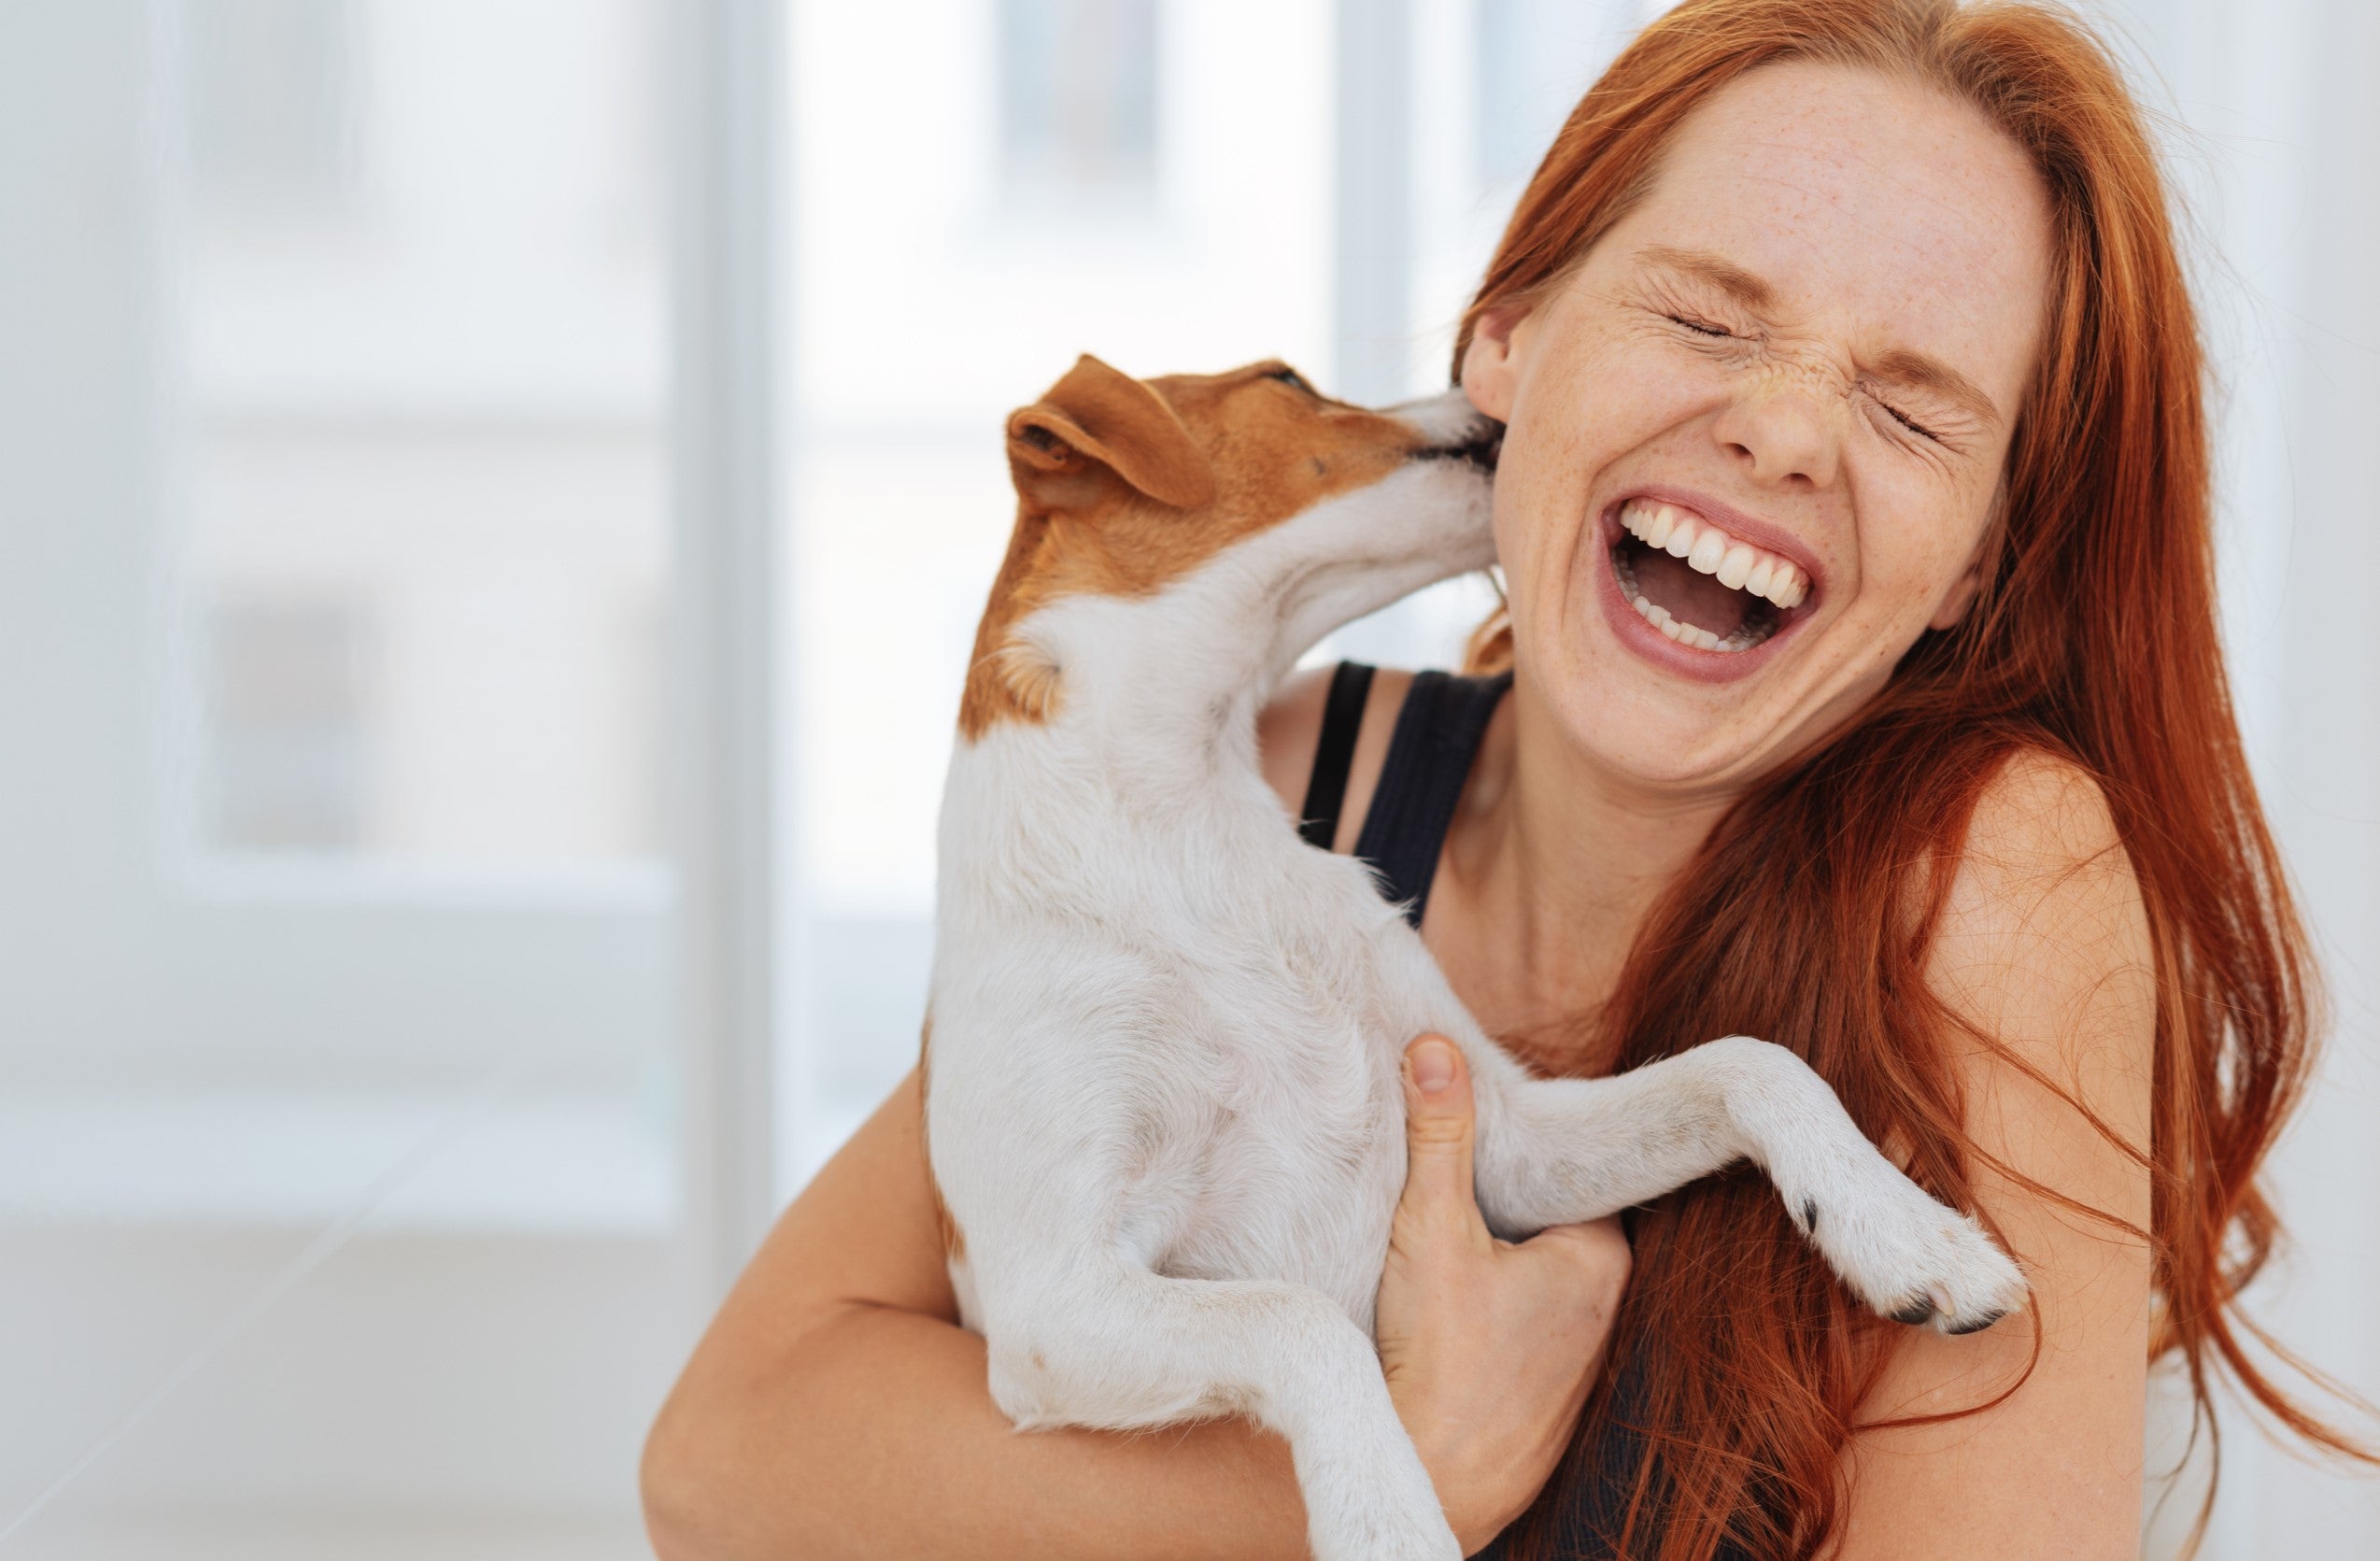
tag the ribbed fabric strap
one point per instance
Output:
(1335, 754)
(1429, 758)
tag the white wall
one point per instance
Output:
(2306, 229)
(223, 1074)
(2271, 137)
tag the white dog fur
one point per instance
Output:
(1165, 1110)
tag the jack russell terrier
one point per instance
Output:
(1163, 1099)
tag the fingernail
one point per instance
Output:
(1433, 1065)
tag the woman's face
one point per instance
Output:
(1798, 363)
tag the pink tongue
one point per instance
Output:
(1690, 595)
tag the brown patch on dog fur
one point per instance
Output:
(953, 1239)
(1125, 485)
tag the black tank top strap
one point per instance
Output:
(1335, 754)
(1438, 734)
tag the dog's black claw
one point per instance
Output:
(1978, 1325)
(1917, 1314)
(1809, 1216)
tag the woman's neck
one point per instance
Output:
(1551, 867)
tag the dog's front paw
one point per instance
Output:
(1911, 1258)
(1374, 1503)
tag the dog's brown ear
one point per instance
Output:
(1098, 417)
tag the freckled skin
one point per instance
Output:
(1885, 219)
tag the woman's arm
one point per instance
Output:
(836, 1409)
(2046, 947)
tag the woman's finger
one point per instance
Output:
(1438, 1127)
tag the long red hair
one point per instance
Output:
(2095, 641)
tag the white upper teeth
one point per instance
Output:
(1739, 566)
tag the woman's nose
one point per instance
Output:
(1785, 431)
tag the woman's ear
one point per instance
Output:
(1961, 596)
(1952, 608)
(1490, 366)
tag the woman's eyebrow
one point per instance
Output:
(1721, 273)
(1900, 366)
(1919, 372)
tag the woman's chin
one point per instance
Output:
(1641, 720)
(1650, 738)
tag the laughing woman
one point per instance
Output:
(1858, 688)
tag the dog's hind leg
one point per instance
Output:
(1553, 1151)
(1115, 1346)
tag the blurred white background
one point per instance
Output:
(498, 493)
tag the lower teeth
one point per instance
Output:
(1746, 635)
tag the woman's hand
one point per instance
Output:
(1490, 1347)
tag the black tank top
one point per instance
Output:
(1438, 733)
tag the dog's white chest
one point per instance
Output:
(1299, 1166)
(1200, 1056)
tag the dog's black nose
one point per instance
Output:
(1482, 450)
(1488, 448)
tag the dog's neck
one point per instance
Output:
(1175, 678)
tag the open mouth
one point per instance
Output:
(1698, 584)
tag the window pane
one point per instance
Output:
(1078, 94)
(336, 1041)
(421, 306)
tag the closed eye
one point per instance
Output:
(1699, 327)
(1291, 377)
(1910, 423)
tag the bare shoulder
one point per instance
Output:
(1289, 729)
(2044, 949)
(2043, 831)
(2044, 942)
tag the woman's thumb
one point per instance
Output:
(1437, 1121)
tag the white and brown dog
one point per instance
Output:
(1164, 1104)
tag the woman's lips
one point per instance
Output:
(1694, 655)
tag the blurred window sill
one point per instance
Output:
(565, 1168)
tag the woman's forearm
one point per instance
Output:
(875, 1436)
(836, 1409)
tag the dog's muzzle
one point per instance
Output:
(1482, 450)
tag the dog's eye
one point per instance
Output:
(1292, 377)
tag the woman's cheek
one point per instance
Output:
(1544, 482)
(1652, 387)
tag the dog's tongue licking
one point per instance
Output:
(1687, 593)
